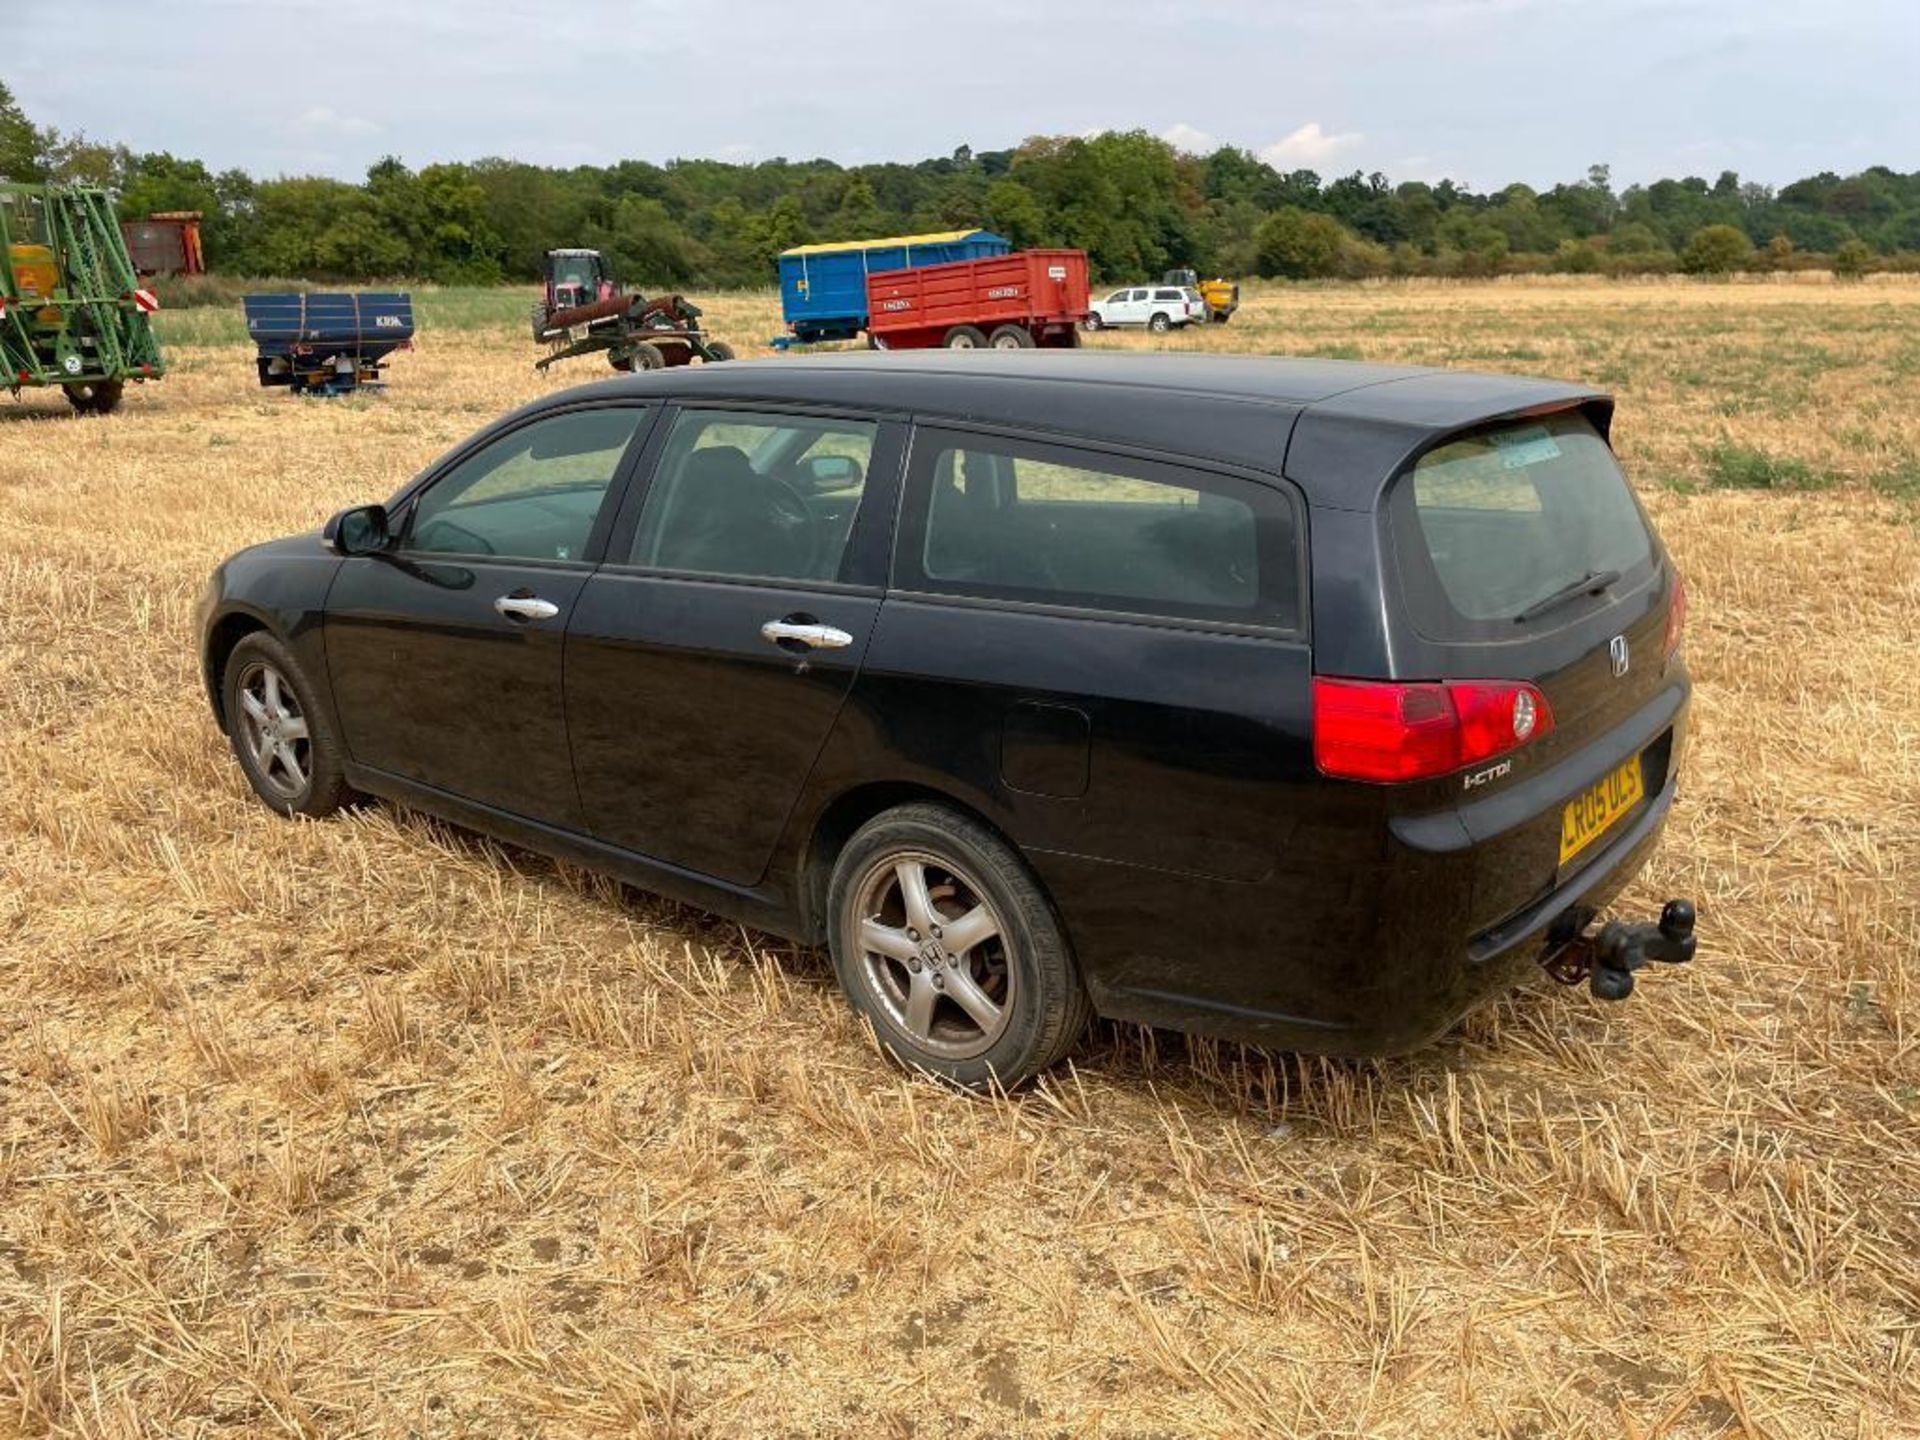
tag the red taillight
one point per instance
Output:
(1385, 731)
(1676, 619)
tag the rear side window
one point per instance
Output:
(1490, 524)
(1000, 518)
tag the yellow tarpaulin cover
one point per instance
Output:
(942, 237)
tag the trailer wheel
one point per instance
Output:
(97, 397)
(718, 350)
(964, 337)
(1159, 324)
(649, 356)
(1012, 337)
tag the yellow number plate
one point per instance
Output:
(1588, 816)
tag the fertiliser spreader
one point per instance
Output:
(327, 344)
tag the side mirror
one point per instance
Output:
(359, 530)
(832, 472)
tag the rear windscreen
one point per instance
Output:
(1489, 525)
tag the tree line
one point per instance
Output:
(1135, 203)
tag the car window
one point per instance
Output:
(1166, 294)
(1139, 295)
(1118, 297)
(750, 494)
(1494, 521)
(533, 494)
(1027, 521)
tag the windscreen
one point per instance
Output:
(1490, 525)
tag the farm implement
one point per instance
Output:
(327, 344)
(583, 312)
(72, 311)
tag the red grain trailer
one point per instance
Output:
(1010, 302)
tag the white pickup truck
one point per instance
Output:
(1158, 307)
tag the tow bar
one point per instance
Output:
(1607, 960)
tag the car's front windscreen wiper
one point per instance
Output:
(1591, 583)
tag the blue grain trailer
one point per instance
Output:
(823, 288)
(327, 344)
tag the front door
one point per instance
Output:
(445, 651)
(708, 658)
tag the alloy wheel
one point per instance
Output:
(934, 954)
(275, 731)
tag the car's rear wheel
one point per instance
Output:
(943, 938)
(1159, 324)
(280, 735)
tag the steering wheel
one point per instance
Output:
(464, 541)
(795, 519)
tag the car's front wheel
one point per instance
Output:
(281, 737)
(943, 938)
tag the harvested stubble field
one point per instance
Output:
(372, 1127)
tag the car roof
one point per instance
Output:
(1340, 428)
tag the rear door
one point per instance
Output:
(707, 660)
(445, 651)
(1115, 640)
(1104, 652)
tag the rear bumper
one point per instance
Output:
(1398, 993)
(1371, 943)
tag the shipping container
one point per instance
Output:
(823, 288)
(1028, 298)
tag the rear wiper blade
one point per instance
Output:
(1591, 583)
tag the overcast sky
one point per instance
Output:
(1486, 91)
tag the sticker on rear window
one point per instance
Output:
(1528, 445)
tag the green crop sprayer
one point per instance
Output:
(72, 311)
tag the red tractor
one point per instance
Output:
(574, 278)
(584, 310)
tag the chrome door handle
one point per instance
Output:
(818, 637)
(526, 607)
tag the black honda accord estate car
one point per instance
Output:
(1303, 702)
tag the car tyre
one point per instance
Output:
(1001, 1010)
(281, 736)
(1092, 323)
(1159, 324)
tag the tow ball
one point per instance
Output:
(1607, 959)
